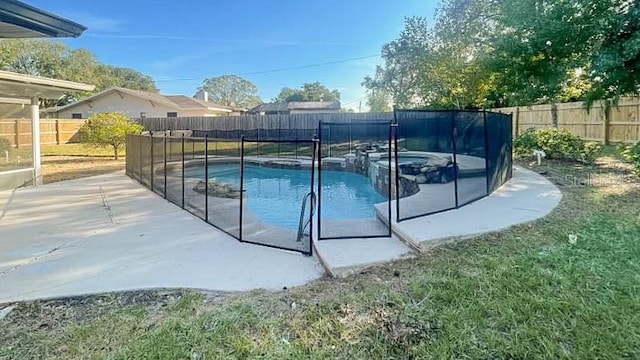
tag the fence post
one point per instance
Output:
(206, 178)
(607, 121)
(554, 115)
(165, 165)
(17, 133)
(139, 157)
(454, 133)
(241, 186)
(183, 170)
(152, 158)
(57, 131)
(516, 124)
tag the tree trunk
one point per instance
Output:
(115, 152)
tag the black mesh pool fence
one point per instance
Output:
(360, 176)
(447, 159)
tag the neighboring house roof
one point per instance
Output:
(186, 102)
(270, 107)
(19, 20)
(297, 105)
(178, 102)
(314, 105)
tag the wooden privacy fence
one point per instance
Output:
(52, 131)
(298, 123)
(614, 124)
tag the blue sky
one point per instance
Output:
(174, 40)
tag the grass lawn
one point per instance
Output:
(521, 294)
(78, 150)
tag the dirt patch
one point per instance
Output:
(60, 168)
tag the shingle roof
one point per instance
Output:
(314, 105)
(179, 102)
(186, 102)
(270, 107)
(297, 105)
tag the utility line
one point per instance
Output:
(283, 69)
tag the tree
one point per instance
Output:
(308, 92)
(485, 53)
(615, 68)
(109, 129)
(400, 74)
(108, 76)
(59, 61)
(288, 94)
(231, 90)
(379, 101)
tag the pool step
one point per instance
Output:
(343, 257)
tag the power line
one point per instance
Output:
(283, 69)
(354, 101)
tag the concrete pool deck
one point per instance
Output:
(109, 233)
(526, 197)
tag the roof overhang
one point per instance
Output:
(19, 86)
(19, 20)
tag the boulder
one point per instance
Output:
(217, 189)
(421, 179)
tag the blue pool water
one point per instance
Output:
(275, 195)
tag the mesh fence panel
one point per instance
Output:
(157, 158)
(272, 181)
(425, 163)
(354, 179)
(499, 147)
(223, 175)
(470, 156)
(145, 160)
(194, 170)
(133, 156)
(175, 170)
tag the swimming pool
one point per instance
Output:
(275, 195)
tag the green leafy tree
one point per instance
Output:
(109, 129)
(615, 67)
(400, 74)
(308, 92)
(231, 90)
(59, 61)
(379, 101)
(487, 53)
(109, 76)
(288, 94)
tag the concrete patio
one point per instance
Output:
(109, 233)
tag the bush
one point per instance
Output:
(5, 145)
(557, 144)
(632, 154)
(109, 129)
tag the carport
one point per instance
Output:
(20, 94)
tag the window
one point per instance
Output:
(172, 114)
(76, 116)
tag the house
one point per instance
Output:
(297, 107)
(137, 103)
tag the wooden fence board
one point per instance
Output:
(52, 131)
(620, 124)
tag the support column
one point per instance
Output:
(35, 141)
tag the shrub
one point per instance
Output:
(632, 154)
(5, 145)
(109, 129)
(557, 144)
